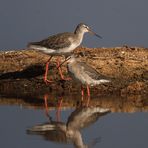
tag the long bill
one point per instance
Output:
(93, 33)
(63, 62)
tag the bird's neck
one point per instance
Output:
(77, 139)
(79, 33)
(72, 60)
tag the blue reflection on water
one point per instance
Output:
(115, 129)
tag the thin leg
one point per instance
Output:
(60, 71)
(88, 94)
(46, 71)
(59, 68)
(82, 96)
(88, 91)
(82, 91)
(88, 101)
(59, 109)
(46, 105)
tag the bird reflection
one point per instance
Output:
(69, 132)
(58, 107)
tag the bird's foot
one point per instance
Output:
(47, 81)
(66, 79)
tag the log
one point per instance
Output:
(21, 71)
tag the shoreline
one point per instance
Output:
(22, 71)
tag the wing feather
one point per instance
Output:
(54, 42)
(91, 71)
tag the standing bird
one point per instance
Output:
(61, 44)
(84, 74)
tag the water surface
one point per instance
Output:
(123, 126)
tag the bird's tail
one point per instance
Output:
(101, 81)
(38, 47)
(34, 45)
(42, 128)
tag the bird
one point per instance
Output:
(70, 131)
(61, 44)
(84, 74)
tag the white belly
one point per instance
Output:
(57, 51)
(67, 49)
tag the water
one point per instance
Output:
(121, 126)
(119, 22)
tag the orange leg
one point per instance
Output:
(60, 71)
(46, 105)
(88, 94)
(59, 109)
(46, 71)
(82, 93)
(88, 91)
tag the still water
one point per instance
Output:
(105, 125)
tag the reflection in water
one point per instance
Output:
(59, 104)
(130, 104)
(69, 132)
(46, 106)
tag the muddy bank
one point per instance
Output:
(22, 71)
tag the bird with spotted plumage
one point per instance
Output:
(61, 44)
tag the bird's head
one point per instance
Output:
(85, 28)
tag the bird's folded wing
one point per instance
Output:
(92, 72)
(55, 42)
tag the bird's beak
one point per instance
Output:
(93, 33)
(64, 62)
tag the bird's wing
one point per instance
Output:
(54, 131)
(47, 127)
(91, 71)
(85, 116)
(55, 42)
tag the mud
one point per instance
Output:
(21, 72)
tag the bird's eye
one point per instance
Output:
(86, 27)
